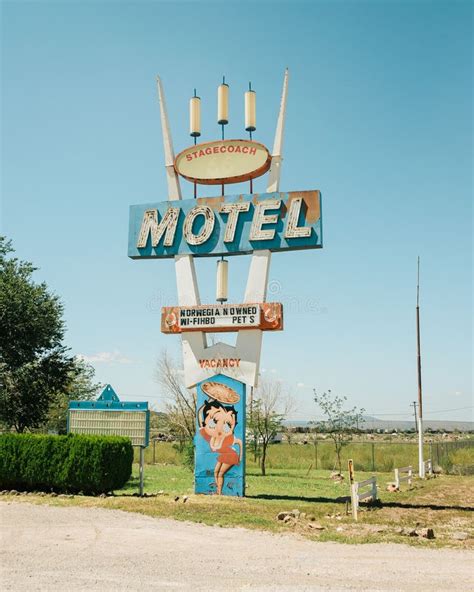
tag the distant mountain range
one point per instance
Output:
(374, 423)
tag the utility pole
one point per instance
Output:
(414, 413)
(421, 463)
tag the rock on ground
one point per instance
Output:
(89, 549)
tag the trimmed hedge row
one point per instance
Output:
(72, 463)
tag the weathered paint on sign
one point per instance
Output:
(106, 422)
(266, 316)
(223, 161)
(220, 437)
(226, 225)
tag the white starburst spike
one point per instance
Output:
(277, 154)
(188, 289)
(174, 188)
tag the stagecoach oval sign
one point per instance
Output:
(223, 162)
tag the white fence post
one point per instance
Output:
(354, 500)
(429, 467)
(374, 489)
(408, 478)
(357, 494)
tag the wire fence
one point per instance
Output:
(455, 457)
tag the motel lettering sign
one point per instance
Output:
(226, 225)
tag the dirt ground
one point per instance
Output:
(53, 548)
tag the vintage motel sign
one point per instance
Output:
(108, 416)
(255, 224)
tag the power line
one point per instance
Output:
(410, 415)
(447, 410)
(394, 414)
(302, 414)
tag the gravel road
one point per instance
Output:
(57, 548)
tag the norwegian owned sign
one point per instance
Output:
(223, 161)
(226, 225)
(266, 316)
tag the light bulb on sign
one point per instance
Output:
(250, 110)
(222, 280)
(195, 116)
(223, 103)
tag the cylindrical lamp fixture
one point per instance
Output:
(195, 116)
(222, 280)
(223, 103)
(250, 110)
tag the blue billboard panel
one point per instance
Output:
(220, 437)
(226, 225)
(109, 416)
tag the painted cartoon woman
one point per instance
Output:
(216, 425)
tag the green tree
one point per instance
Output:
(339, 422)
(265, 415)
(34, 365)
(81, 387)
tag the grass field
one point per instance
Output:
(367, 456)
(445, 504)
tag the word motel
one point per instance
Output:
(213, 226)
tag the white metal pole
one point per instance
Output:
(421, 462)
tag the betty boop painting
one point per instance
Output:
(217, 421)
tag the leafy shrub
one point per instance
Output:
(188, 456)
(91, 464)
(185, 448)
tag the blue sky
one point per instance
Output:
(379, 119)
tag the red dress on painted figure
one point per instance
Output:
(227, 454)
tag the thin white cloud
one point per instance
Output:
(114, 357)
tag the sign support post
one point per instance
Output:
(142, 468)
